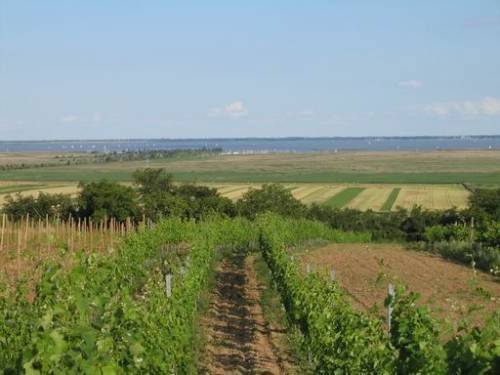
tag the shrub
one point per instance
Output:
(105, 200)
(45, 205)
(270, 198)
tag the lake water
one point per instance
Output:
(260, 144)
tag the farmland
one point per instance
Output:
(376, 197)
(365, 270)
(382, 180)
(431, 167)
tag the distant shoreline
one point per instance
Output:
(262, 145)
(120, 140)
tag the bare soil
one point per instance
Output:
(448, 288)
(238, 339)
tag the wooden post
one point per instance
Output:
(308, 268)
(168, 285)
(332, 274)
(392, 294)
(67, 230)
(472, 229)
(26, 231)
(47, 232)
(3, 230)
(18, 255)
(90, 233)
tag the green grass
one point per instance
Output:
(391, 199)
(343, 197)
(82, 173)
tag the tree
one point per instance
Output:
(153, 180)
(486, 201)
(202, 201)
(45, 205)
(270, 198)
(163, 204)
(103, 199)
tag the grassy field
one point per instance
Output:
(343, 197)
(436, 167)
(391, 199)
(361, 180)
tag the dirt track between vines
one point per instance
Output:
(238, 339)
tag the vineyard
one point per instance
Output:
(137, 307)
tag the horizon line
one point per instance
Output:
(251, 138)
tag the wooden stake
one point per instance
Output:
(19, 241)
(3, 230)
(392, 294)
(47, 232)
(26, 231)
(168, 285)
(90, 233)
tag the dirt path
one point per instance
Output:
(238, 340)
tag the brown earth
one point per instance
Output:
(238, 339)
(448, 288)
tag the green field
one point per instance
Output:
(443, 167)
(342, 198)
(431, 179)
(391, 199)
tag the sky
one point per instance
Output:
(200, 69)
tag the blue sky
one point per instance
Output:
(180, 69)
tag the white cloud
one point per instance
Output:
(235, 109)
(487, 106)
(411, 84)
(68, 119)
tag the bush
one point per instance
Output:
(484, 257)
(60, 206)
(486, 201)
(270, 198)
(153, 181)
(439, 233)
(490, 235)
(105, 200)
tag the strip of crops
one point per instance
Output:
(109, 314)
(341, 340)
(342, 198)
(391, 199)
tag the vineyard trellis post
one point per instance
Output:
(392, 294)
(168, 285)
(3, 230)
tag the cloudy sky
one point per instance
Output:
(179, 69)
